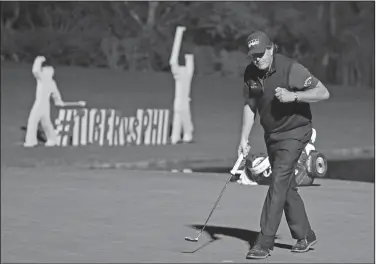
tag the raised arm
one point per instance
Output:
(308, 88)
(37, 66)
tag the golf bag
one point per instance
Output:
(256, 169)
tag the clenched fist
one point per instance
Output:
(284, 96)
(244, 148)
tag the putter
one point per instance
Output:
(232, 172)
(82, 104)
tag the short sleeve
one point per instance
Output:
(300, 78)
(249, 98)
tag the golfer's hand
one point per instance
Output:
(243, 148)
(283, 95)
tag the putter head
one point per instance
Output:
(191, 239)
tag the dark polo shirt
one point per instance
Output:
(279, 120)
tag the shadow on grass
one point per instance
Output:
(248, 236)
(41, 136)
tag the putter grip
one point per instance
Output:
(72, 104)
(237, 164)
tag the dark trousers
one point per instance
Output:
(283, 194)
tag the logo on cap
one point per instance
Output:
(253, 42)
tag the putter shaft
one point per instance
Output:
(232, 172)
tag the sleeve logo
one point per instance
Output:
(308, 81)
(254, 85)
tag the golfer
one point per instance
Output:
(280, 90)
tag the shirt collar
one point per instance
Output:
(263, 74)
(272, 68)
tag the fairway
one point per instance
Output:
(69, 215)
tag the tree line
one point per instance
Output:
(335, 40)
